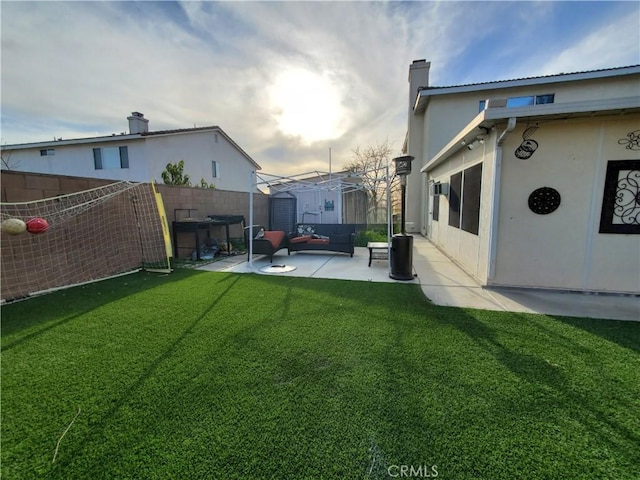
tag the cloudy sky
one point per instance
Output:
(286, 80)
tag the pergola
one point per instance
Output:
(342, 182)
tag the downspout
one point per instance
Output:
(495, 199)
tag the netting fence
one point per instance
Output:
(93, 234)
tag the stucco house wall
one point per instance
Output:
(198, 150)
(470, 251)
(564, 249)
(445, 111)
(148, 154)
(77, 160)
(590, 123)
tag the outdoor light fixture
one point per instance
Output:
(403, 165)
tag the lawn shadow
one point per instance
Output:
(533, 369)
(360, 291)
(44, 312)
(97, 428)
(623, 332)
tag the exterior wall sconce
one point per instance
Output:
(403, 165)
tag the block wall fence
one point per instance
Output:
(25, 187)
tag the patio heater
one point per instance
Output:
(402, 244)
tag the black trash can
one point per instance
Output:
(402, 257)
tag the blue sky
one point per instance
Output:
(286, 80)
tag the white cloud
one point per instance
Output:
(78, 69)
(613, 45)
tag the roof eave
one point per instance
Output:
(489, 117)
(72, 141)
(422, 98)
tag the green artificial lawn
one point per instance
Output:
(199, 375)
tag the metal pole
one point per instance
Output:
(252, 183)
(389, 218)
(403, 189)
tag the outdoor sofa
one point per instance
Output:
(265, 242)
(332, 237)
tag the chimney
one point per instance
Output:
(137, 123)
(418, 77)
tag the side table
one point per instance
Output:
(378, 251)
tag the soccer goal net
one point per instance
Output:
(81, 237)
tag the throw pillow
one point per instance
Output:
(306, 230)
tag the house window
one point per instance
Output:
(47, 152)
(108, 158)
(514, 102)
(215, 169)
(621, 200)
(542, 99)
(525, 101)
(436, 207)
(464, 199)
(455, 189)
(471, 199)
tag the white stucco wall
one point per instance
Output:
(77, 160)
(563, 249)
(469, 250)
(198, 150)
(447, 114)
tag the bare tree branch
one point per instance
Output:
(370, 163)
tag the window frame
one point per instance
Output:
(99, 158)
(465, 199)
(435, 214)
(455, 199)
(471, 199)
(542, 99)
(611, 194)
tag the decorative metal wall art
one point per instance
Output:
(528, 145)
(621, 198)
(544, 200)
(632, 142)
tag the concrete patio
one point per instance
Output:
(442, 281)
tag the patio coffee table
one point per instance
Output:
(378, 251)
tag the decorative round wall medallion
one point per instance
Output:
(544, 200)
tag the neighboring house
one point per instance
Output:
(531, 182)
(140, 156)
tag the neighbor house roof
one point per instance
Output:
(128, 136)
